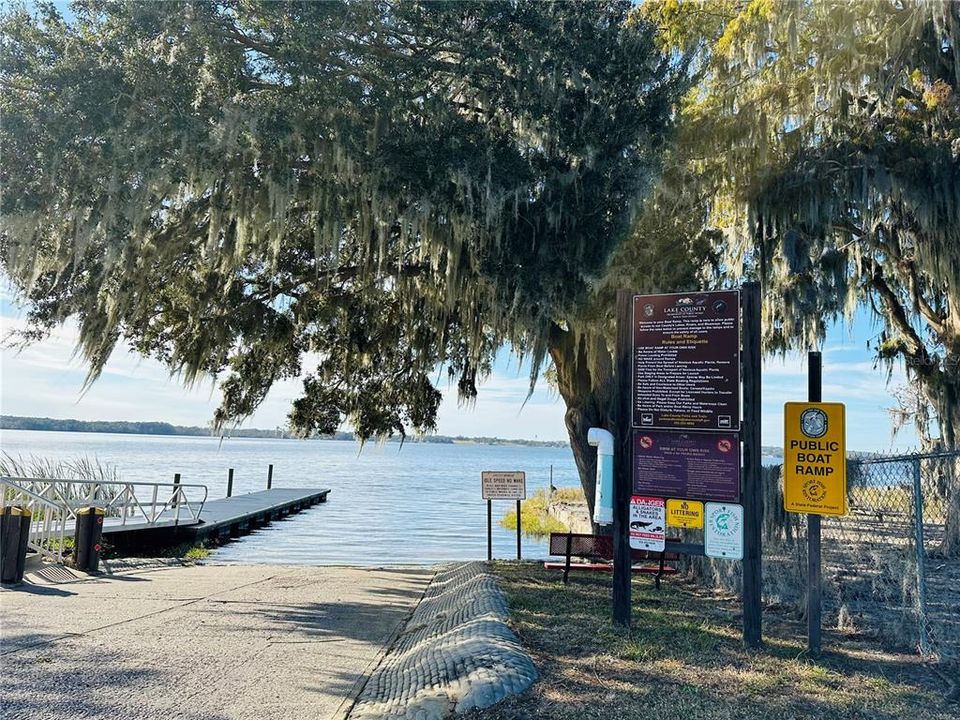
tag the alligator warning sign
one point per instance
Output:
(814, 459)
(648, 523)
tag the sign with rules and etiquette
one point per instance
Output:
(686, 361)
(814, 458)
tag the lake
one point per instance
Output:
(415, 504)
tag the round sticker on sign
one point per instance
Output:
(813, 423)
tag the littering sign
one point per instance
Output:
(685, 513)
(723, 531)
(648, 523)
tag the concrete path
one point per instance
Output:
(212, 642)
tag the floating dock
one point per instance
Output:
(220, 519)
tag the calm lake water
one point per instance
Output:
(418, 504)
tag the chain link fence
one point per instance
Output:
(891, 566)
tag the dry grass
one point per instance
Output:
(684, 659)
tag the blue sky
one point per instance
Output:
(47, 380)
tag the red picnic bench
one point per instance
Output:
(598, 549)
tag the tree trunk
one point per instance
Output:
(584, 370)
(944, 394)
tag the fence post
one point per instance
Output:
(921, 557)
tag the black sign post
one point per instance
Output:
(490, 530)
(814, 394)
(622, 474)
(752, 495)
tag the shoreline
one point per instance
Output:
(162, 429)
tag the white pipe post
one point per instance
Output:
(603, 497)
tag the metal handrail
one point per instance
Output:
(118, 498)
(48, 520)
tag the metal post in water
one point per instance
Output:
(176, 491)
(269, 476)
(921, 557)
(176, 500)
(230, 483)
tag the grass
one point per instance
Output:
(197, 552)
(683, 658)
(535, 519)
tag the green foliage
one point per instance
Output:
(535, 518)
(823, 140)
(356, 191)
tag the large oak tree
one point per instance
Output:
(356, 192)
(824, 141)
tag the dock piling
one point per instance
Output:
(230, 483)
(269, 476)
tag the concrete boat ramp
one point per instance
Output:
(219, 519)
(235, 642)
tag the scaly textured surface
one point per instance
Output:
(455, 654)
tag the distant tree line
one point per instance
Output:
(17, 422)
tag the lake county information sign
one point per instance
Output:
(503, 485)
(686, 361)
(701, 466)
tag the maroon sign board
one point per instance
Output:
(686, 361)
(692, 465)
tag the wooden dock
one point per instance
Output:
(220, 519)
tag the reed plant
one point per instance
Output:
(34, 467)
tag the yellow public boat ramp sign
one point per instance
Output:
(814, 458)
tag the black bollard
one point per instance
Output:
(14, 534)
(87, 539)
(26, 516)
